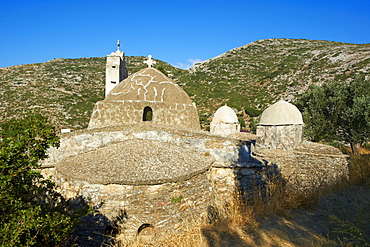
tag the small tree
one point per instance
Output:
(355, 120)
(31, 212)
(321, 108)
(337, 111)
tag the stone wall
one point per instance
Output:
(224, 129)
(237, 167)
(285, 137)
(165, 206)
(308, 166)
(113, 113)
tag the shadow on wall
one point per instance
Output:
(95, 229)
(253, 176)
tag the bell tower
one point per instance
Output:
(116, 70)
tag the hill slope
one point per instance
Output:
(247, 78)
(63, 89)
(262, 72)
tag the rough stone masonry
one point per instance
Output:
(165, 176)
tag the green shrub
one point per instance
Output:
(253, 125)
(32, 212)
(253, 112)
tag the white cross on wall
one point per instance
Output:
(150, 62)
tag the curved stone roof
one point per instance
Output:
(225, 114)
(149, 84)
(281, 113)
(135, 162)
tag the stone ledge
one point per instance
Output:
(147, 126)
(306, 148)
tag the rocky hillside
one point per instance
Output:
(63, 89)
(247, 78)
(255, 75)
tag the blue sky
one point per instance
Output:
(177, 32)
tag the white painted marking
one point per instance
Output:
(164, 89)
(116, 93)
(155, 93)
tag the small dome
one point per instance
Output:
(225, 114)
(281, 113)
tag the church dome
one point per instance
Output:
(151, 85)
(225, 114)
(281, 113)
(146, 96)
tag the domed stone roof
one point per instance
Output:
(225, 114)
(281, 113)
(136, 162)
(149, 84)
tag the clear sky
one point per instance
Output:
(175, 31)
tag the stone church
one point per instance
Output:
(145, 96)
(145, 160)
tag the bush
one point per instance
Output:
(253, 125)
(253, 112)
(32, 212)
(337, 111)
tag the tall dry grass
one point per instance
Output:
(359, 169)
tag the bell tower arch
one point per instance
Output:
(116, 70)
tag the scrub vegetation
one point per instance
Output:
(247, 78)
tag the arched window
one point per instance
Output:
(148, 114)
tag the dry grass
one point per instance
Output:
(360, 168)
